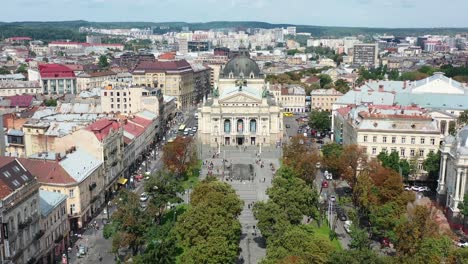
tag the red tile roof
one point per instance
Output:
(101, 128)
(167, 56)
(48, 71)
(65, 43)
(21, 100)
(142, 121)
(134, 129)
(19, 38)
(49, 172)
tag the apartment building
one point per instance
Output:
(77, 174)
(202, 82)
(410, 131)
(175, 78)
(19, 213)
(366, 55)
(90, 80)
(128, 100)
(54, 227)
(54, 79)
(10, 88)
(103, 139)
(323, 99)
(291, 98)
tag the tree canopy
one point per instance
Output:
(319, 120)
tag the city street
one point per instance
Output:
(99, 247)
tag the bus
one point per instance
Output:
(182, 128)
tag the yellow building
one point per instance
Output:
(323, 99)
(175, 78)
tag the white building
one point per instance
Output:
(410, 131)
(452, 181)
(291, 98)
(127, 100)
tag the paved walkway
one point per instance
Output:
(250, 188)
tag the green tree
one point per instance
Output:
(463, 118)
(272, 219)
(293, 195)
(50, 102)
(209, 231)
(357, 257)
(319, 120)
(391, 160)
(332, 149)
(103, 62)
(342, 86)
(359, 238)
(432, 164)
(325, 79)
(45, 59)
(298, 242)
(463, 206)
(4, 70)
(23, 68)
(162, 189)
(131, 223)
(32, 54)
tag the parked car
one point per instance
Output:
(342, 216)
(347, 226)
(82, 250)
(320, 141)
(143, 197)
(420, 188)
(329, 176)
(462, 244)
(332, 198)
(318, 165)
(324, 184)
(407, 188)
(288, 126)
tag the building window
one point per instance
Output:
(423, 140)
(384, 150)
(227, 126)
(432, 141)
(402, 152)
(105, 93)
(112, 105)
(71, 193)
(393, 150)
(365, 139)
(411, 152)
(72, 209)
(403, 140)
(384, 139)
(374, 139)
(413, 141)
(374, 150)
(420, 165)
(393, 140)
(421, 152)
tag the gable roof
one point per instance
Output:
(162, 66)
(21, 100)
(55, 71)
(101, 128)
(13, 175)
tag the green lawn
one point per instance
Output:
(324, 232)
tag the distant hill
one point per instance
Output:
(69, 29)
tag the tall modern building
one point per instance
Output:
(183, 45)
(365, 55)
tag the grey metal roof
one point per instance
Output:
(241, 67)
(80, 164)
(48, 201)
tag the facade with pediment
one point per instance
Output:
(241, 111)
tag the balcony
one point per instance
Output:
(25, 223)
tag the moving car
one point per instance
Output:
(288, 126)
(342, 216)
(143, 197)
(420, 188)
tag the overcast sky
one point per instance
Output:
(362, 13)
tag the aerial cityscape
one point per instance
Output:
(332, 132)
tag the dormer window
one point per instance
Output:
(231, 75)
(252, 75)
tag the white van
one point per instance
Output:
(196, 115)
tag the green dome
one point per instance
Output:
(241, 67)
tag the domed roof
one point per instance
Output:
(241, 67)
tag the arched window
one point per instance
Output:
(253, 125)
(231, 75)
(227, 126)
(252, 75)
(240, 125)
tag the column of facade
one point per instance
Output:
(457, 185)
(442, 173)
(463, 185)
